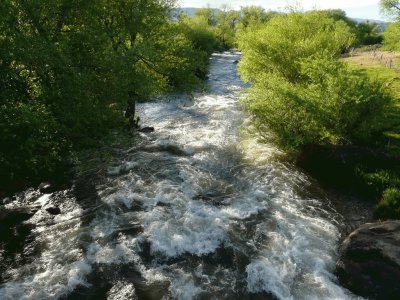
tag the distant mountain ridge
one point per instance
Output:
(358, 20)
(190, 11)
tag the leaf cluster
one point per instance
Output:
(301, 91)
(68, 70)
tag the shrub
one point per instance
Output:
(331, 105)
(391, 40)
(32, 146)
(280, 45)
(389, 206)
(301, 91)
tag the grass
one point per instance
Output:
(364, 63)
(385, 179)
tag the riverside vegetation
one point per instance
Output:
(339, 123)
(70, 70)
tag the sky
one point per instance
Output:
(365, 9)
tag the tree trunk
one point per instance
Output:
(131, 110)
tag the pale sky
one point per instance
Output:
(365, 9)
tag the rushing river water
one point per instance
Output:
(197, 209)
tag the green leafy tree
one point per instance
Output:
(207, 14)
(392, 37)
(280, 45)
(69, 68)
(367, 34)
(300, 90)
(204, 39)
(390, 7)
(251, 15)
(227, 23)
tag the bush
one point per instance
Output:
(68, 71)
(389, 206)
(332, 105)
(300, 89)
(200, 33)
(204, 39)
(32, 145)
(391, 36)
(280, 45)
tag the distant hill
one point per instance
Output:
(358, 20)
(190, 11)
(381, 25)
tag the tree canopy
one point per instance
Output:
(68, 70)
(300, 90)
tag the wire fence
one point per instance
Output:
(388, 59)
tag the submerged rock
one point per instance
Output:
(147, 129)
(46, 188)
(370, 261)
(53, 210)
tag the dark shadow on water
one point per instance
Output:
(14, 236)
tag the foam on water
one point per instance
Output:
(199, 209)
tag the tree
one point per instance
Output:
(281, 44)
(390, 7)
(392, 37)
(69, 68)
(366, 32)
(253, 15)
(208, 14)
(300, 90)
(227, 22)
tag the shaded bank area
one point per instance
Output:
(345, 168)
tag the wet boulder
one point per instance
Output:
(46, 188)
(147, 129)
(53, 210)
(369, 264)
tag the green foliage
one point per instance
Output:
(253, 15)
(226, 27)
(390, 7)
(331, 105)
(202, 35)
(301, 91)
(208, 15)
(68, 69)
(366, 33)
(379, 180)
(392, 37)
(279, 46)
(33, 143)
(389, 206)
(204, 39)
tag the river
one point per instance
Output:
(196, 210)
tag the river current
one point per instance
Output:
(197, 209)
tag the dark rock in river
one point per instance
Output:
(53, 210)
(370, 261)
(146, 129)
